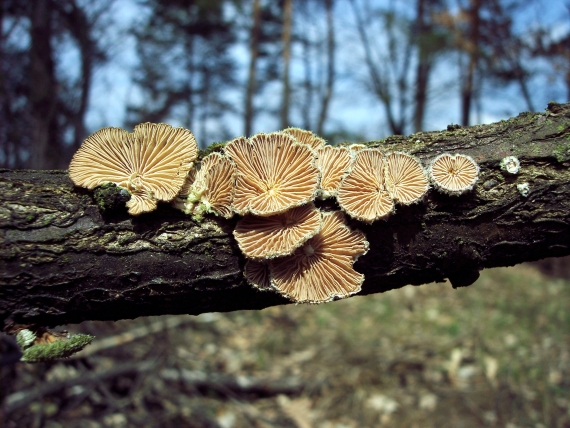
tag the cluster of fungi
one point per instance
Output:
(272, 181)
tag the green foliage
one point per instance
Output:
(57, 350)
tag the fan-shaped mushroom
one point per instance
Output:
(454, 174)
(321, 269)
(279, 234)
(257, 274)
(362, 193)
(333, 162)
(306, 137)
(274, 173)
(406, 180)
(212, 188)
(151, 163)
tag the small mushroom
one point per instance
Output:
(406, 180)
(362, 193)
(277, 235)
(212, 188)
(453, 174)
(257, 274)
(274, 173)
(322, 269)
(306, 137)
(151, 163)
(333, 162)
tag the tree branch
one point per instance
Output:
(63, 261)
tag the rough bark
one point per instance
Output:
(63, 261)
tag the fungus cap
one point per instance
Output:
(333, 162)
(277, 235)
(257, 274)
(181, 200)
(362, 193)
(454, 174)
(321, 270)
(274, 173)
(187, 186)
(151, 163)
(306, 137)
(405, 178)
(357, 147)
(213, 186)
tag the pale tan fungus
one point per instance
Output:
(362, 193)
(213, 187)
(306, 137)
(151, 163)
(322, 269)
(454, 174)
(181, 200)
(187, 186)
(274, 173)
(406, 180)
(257, 274)
(356, 147)
(277, 235)
(333, 162)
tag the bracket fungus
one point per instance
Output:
(151, 163)
(362, 193)
(306, 137)
(322, 269)
(209, 190)
(257, 274)
(406, 180)
(454, 174)
(274, 173)
(277, 235)
(333, 162)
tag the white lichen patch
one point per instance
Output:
(25, 338)
(524, 189)
(510, 164)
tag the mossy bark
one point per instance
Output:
(67, 256)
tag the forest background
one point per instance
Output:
(493, 354)
(346, 69)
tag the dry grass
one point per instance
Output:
(493, 354)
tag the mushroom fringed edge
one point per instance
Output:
(274, 182)
(151, 163)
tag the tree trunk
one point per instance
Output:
(63, 261)
(251, 79)
(331, 49)
(287, 24)
(43, 97)
(467, 88)
(424, 65)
